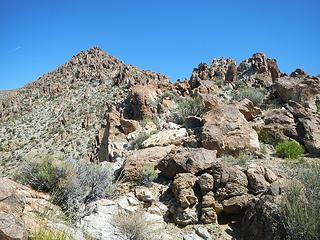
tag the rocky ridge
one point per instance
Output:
(96, 108)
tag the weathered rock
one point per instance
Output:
(140, 102)
(187, 160)
(258, 70)
(128, 125)
(186, 216)
(144, 194)
(262, 217)
(226, 130)
(113, 140)
(165, 138)
(203, 233)
(20, 208)
(260, 178)
(247, 108)
(208, 215)
(137, 159)
(183, 190)
(236, 205)
(208, 200)
(302, 90)
(206, 182)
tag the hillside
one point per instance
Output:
(207, 158)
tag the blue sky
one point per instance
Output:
(167, 36)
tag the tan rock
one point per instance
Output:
(227, 131)
(235, 205)
(183, 190)
(166, 137)
(137, 159)
(206, 182)
(128, 125)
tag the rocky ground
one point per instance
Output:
(210, 141)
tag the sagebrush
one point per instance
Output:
(72, 184)
(255, 95)
(301, 205)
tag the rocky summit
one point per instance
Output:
(98, 149)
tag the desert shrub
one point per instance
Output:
(268, 137)
(148, 175)
(137, 142)
(135, 227)
(289, 149)
(241, 159)
(255, 95)
(85, 183)
(188, 106)
(44, 174)
(170, 94)
(48, 234)
(73, 184)
(300, 207)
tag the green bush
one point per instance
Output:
(255, 95)
(73, 184)
(301, 206)
(148, 174)
(44, 174)
(188, 106)
(289, 149)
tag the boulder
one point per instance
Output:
(137, 159)
(128, 125)
(20, 208)
(186, 216)
(140, 102)
(262, 217)
(187, 160)
(236, 205)
(166, 137)
(206, 182)
(208, 215)
(208, 200)
(300, 89)
(144, 194)
(227, 131)
(182, 188)
(248, 109)
(111, 141)
(258, 70)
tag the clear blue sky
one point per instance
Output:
(166, 36)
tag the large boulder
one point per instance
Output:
(140, 102)
(20, 211)
(144, 157)
(260, 178)
(227, 131)
(300, 89)
(187, 160)
(262, 217)
(228, 181)
(166, 137)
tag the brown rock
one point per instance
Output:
(235, 205)
(129, 126)
(247, 108)
(208, 215)
(208, 200)
(226, 130)
(140, 102)
(183, 190)
(187, 160)
(135, 161)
